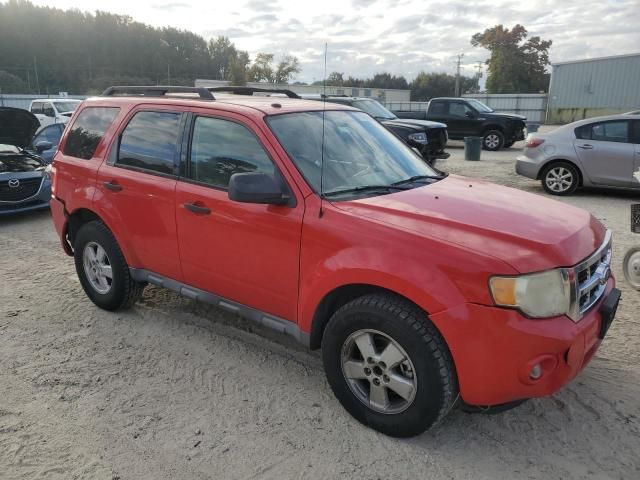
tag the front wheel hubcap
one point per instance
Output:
(631, 267)
(559, 179)
(492, 141)
(97, 267)
(378, 371)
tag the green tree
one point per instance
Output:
(430, 85)
(10, 83)
(261, 70)
(516, 65)
(287, 68)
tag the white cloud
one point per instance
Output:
(401, 37)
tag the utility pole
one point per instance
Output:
(478, 75)
(460, 55)
(168, 74)
(35, 68)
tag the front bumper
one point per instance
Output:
(494, 350)
(40, 201)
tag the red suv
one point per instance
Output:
(422, 289)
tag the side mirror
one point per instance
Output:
(256, 187)
(469, 115)
(43, 145)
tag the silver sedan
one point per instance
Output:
(597, 152)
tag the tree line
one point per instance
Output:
(45, 50)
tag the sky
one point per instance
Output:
(402, 37)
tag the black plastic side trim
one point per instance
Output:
(270, 321)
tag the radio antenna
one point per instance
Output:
(324, 106)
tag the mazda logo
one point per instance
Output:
(14, 183)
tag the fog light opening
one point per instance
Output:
(536, 372)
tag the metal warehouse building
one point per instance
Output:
(589, 88)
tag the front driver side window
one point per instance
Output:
(458, 109)
(48, 110)
(221, 148)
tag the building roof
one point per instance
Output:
(597, 59)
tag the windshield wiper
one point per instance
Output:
(365, 188)
(417, 178)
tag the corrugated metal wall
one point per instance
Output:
(23, 101)
(596, 87)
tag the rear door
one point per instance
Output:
(606, 152)
(635, 129)
(136, 187)
(248, 253)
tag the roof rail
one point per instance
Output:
(156, 91)
(251, 90)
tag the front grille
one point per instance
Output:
(635, 218)
(27, 188)
(591, 278)
(437, 138)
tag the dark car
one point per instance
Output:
(25, 178)
(46, 140)
(468, 117)
(429, 138)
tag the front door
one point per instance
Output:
(137, 186)
(248, 253)
(606, 152)
(635, 182)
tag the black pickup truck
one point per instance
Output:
(468, 117)
(429, 138)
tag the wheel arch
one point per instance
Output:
(553, 161)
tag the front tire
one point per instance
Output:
(560, 178)
(388, 365)
(102, 268)
(493, 140)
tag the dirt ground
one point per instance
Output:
(177, 390)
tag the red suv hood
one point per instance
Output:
(530, 232)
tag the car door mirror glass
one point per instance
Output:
(257, 187)
(43, 145)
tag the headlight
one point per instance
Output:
(538, 295)
(47, 172)
(418, 137)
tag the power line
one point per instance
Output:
(459, 56)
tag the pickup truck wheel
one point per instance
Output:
(102, 268)
(560, 178)
(388, 365)
(493, 140)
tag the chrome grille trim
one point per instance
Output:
(589, 279)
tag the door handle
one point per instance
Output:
(586, 147)
(198, 209)
(113, 186)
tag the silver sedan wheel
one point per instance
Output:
(97, 267)
(631, 267)
(492, 141)
(559, 179)
(378, 371)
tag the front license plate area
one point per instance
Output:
(608, 311)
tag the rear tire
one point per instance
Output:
(102, 268)
(403, 352)
(493, 140)
(560, 178)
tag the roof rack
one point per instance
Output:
(251, 90)
(156, 91)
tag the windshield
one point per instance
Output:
(358, 151)
(375, 109)
(67, 106)
(479, 106)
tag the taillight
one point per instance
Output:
(534, 142)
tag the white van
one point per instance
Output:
(53, 110)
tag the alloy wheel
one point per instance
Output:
(97, 267)
(492, 141)
(559, 179)
(378, 371)
(631, 267)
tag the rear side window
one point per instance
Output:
(149, 142)
(438, 108)
(615, 131)
(87, 131)
(36, 107)
(636, 131)
(221, 148)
